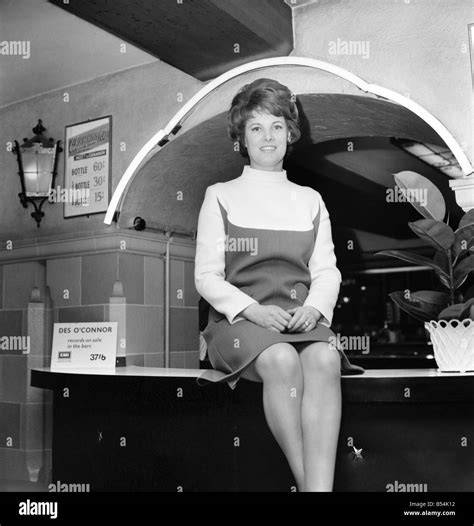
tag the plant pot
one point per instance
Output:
(453, 344)
(464, 190)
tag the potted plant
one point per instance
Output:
(448, 316)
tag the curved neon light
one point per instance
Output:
(183, 113)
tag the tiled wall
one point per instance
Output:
(80, 288)
(184, 327)
(25, 411)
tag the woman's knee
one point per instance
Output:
(279, 361)
(320, 358)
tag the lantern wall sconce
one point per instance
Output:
(37, 165)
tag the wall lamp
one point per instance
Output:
(37, 164)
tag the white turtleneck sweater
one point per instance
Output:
(267, 200)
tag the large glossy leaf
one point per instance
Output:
(442, 260)
(460, 311)
(412, 258)
(469, 293)
(462, 270)
(436, 233)
(460, 282)
(431, 297)
(419, 187)
(431, 302)
(467, 219)
(411, 306)
(463, 240)
(443, 279)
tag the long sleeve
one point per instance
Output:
(325, 276)
(209, 269)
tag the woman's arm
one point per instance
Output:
(209, 269)
(325, 276)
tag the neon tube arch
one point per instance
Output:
(174, 125)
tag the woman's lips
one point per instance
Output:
(268, 148)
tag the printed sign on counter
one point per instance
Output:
(84, 345)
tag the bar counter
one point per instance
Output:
(153, 429)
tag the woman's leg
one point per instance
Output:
(320, 413)
(279, 368)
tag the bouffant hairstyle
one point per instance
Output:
(263, 95)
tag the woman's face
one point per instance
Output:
(266, 138)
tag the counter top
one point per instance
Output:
(375, 385)
(135, 370)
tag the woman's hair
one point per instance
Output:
(263, 95)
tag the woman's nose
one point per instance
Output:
(268, 135)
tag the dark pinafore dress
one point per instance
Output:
(275, 274)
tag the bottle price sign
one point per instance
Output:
(84, 345)
(87, 168)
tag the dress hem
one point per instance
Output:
(216, 376)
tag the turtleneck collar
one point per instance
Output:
(263, 176)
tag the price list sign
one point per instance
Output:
(87, 167)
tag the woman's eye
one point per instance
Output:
(256, 128)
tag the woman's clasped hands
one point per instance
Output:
(274, 318)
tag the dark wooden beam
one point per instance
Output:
(203, 38)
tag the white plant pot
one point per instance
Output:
(464, 191)
(453, 344)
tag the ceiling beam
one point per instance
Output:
(203, 38)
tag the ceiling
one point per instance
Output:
(64, 50)
(75, 42)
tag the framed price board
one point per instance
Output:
(87, 167)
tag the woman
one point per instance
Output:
(265, 263)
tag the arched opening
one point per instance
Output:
(162, 136)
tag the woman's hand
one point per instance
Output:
(268, 316)
(304, 319)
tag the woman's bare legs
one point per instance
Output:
(320, 413)
(279, 368)
(302, 403)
